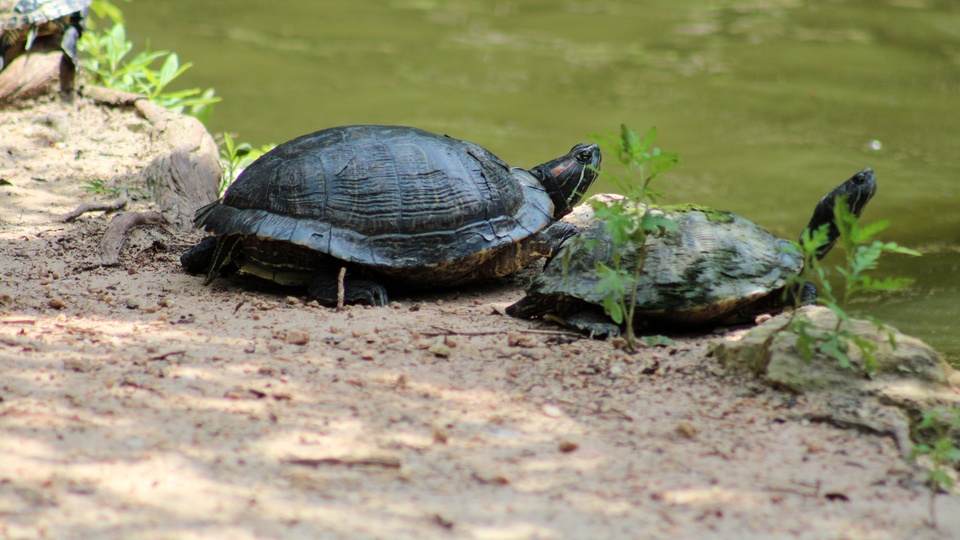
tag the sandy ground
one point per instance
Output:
(137, 403)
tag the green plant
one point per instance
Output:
(861, 256)
(935, 434)
(99, 187)
(105, 59)
(631, 220)
(103, 10)
(234, 157)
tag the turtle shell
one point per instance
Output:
(712, 265)
(391, 199)
(16, 14)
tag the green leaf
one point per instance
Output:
(867, 232)
(657, 341)
(940, 479)
(657, 223)
(613, 309)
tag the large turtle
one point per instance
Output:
(715, 268)
(24, 24)
(388, 203)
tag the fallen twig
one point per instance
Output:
(164, 356)
(386, 462)
(102, 206)
(447, 332)
(116, 233)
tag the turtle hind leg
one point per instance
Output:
(210, 256)
(355, 291)
(197, 260)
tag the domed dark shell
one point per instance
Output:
(383, 197)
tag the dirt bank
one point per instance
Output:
(134, 402)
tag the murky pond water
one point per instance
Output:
(770, 103)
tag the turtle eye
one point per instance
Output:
(585, 157)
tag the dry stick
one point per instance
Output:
(341, 290)
(447, 332)
(116, 233)
(164, 356)
(103, 206)
(386, 462)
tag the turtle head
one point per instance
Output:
(568, 177)
(855, 193)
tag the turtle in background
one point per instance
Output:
(26, 25)
(715, 268)
(391, 204)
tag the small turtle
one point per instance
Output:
(388, 203)
(715, 268)
(25, 23)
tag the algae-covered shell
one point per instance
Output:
(711, 265)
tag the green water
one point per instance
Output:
(770, 103)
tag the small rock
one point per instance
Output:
(686, 429)
(516, 339)
(298, 337)
(78, 365)
(486, 475)
(368, 354)
(56, 303)
(568, 446)
(552, 411)
(440, 349)
(132, 303)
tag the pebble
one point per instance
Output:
(298, 337)
(516, 339)
(686, 429)
(552, 411)
(440, 349)
(56, 303)
(568, 446)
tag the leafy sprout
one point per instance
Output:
(861, 257)
(629, 221)
(936, 433)
(106, 60)
(235, 157)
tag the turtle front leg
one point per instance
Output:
(324, 290)
(69, 63)
(549, 240)
(593, 323)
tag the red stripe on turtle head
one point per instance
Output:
(559, 169)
